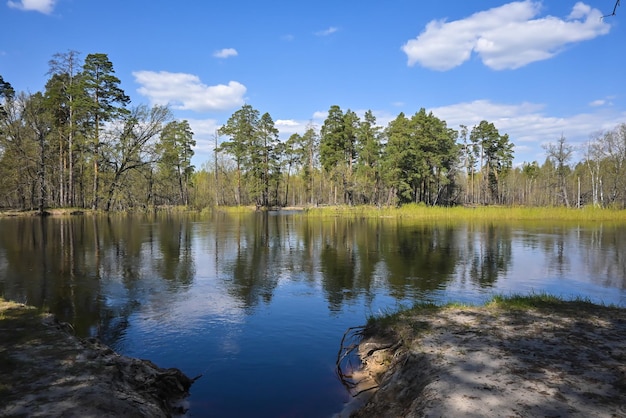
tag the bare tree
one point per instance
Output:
(560, 154)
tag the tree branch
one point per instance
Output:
(614, 9)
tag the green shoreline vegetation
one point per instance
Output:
(512, 302)
(418, 212)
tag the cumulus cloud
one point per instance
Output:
(327, 32)
(226, 53)
(505, 37)
(42, 6)
(528, 125)
(186, 91)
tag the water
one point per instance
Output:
(258, 303)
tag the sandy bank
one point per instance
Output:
(46, 371)
(564, 359)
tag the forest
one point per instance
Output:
(81, 144)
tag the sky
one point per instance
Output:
(538, 70)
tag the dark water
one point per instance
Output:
(258, 303)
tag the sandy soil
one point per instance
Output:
(493, 362)
(47, 372)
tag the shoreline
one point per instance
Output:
(559, 359)
(408, 213)
(47, 371)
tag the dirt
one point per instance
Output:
(47, 371)
(560, 361)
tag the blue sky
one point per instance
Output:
(536, 69)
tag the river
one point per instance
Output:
(257, 303)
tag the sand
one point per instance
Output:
(492, 362)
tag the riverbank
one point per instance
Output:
(47, 371)
(48, 212)
(514, 357)
(409, 212)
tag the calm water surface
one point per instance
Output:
(258, 303)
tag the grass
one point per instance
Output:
(236, 209)
(418, 212)
(534, 301)
(481, 213)
(537, 301)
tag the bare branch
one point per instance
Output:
(614, 9)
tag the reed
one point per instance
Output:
(480, 213)
(235, 209)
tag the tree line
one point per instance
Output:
(81, 144)
(351, 160)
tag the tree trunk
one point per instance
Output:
(96, 178)
(41, 174)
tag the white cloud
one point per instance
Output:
(505, 37)
(327, 32)
(42, 6)
(320, 115)
(528, 125)
(186, 91)
(606, 101)
(204, 131)
(226, 53)
(286, 122)
(288, 127)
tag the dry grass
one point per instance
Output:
(478, 213)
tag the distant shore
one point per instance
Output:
(406, 212)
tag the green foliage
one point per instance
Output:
(23, 150)
(420, 157)
(103, 101)
(368, 167)
(495, 153)
(106, 98)
(255, 148)
(241, 129)
(174, 169)
(332, 143)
